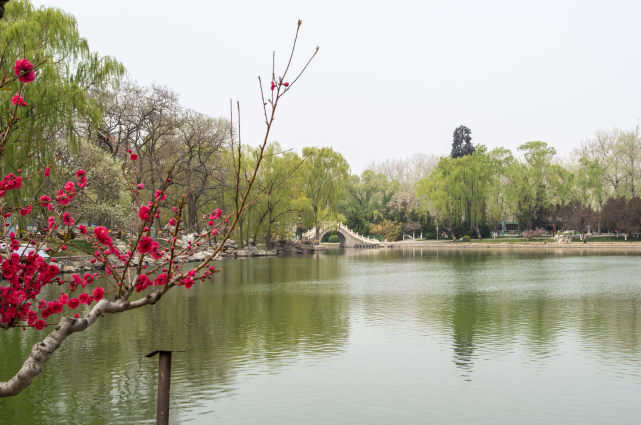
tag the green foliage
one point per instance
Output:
(388, 229)
(281, 200)
(107, 201)
(532, 186)
(365, 200)
(333, 239)
(324, 174)
(58, 98)
(457, 190)
(465, 238)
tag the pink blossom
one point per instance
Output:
(98, 293)
(102, 234)
(82, 179)
(10, 182)
(24, 71)
(143, 282)
(67, 219)
(161, 279)
(143, 213)
(47, 171)
(26, 210)
(45, 200)
(18, 100)
(82, 229)
(188, 282)
(133, 157)
(145, 245)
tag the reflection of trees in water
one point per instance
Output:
(261, 314)
(246, 321)
(489, 314)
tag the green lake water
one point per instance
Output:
(362, 337)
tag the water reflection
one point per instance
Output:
(400, 316)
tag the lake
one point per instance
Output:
(408, 336)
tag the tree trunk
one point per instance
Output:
(268, 235)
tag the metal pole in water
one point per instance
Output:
(164, 378)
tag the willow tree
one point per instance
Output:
(366, 198)
(279, 196)
(534, 184)
(435, 194)
(66, 69)
(457, 190)
(324, 175)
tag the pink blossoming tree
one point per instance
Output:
(137, 276)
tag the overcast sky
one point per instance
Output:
(392, 78)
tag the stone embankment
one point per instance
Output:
(282, 247)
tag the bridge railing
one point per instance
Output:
(358, 236)
(324, 227)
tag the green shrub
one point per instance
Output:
(333, 239)
(465, 238)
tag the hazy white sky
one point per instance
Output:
(392, 78)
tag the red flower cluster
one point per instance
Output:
(146, 245)
(65, 196)
(102, 235)
(273, 86)
(26, 275)
(143, 212)
(145, 282)
(24, 71)
(10, 182)
(98, 293)
(82, 179)
(45, 202)
(67, 219)
(77, 281)
(18, 100)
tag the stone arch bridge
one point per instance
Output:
(347, 237)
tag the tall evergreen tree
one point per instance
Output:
(462, 144)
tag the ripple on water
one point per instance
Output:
(378, 337)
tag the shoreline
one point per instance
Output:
(608, 246)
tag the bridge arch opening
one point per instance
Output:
(324, 237)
